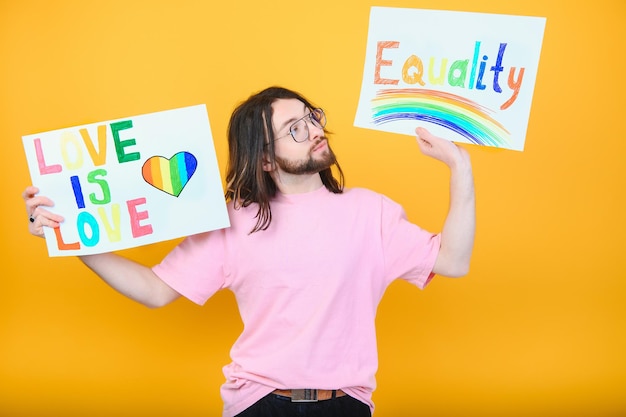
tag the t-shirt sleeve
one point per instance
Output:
(409, 251)
(195, 267)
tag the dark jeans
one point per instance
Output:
(274, 405)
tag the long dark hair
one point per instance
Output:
(250, 142)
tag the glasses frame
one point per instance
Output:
(311, 120)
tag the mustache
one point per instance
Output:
(320, 140)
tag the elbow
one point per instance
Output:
(153, 304)
(458, 271)
(157, 302)
(459, 268)
(451, 266)
(452, 272)
(164, 296)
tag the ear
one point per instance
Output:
(268, 166)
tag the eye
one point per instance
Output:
(297, 127)
(317, 118)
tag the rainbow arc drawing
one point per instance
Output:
(469, 119)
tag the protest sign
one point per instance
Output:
(468, 77)
(129, 182)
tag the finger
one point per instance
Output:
(422, 132)
(33, 203)
(422, 138)
(43, 221)
(30, 192)
(45, 216)
(39, 221)
(35, 226)
(424, 146)
(29, 197)
(427, 140)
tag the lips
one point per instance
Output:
(322, 144)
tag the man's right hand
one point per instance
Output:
(38, 216)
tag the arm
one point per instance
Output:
(457, 236)
(129, 278)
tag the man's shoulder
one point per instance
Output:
(369, 198)
(362, 193)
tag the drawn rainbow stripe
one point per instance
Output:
(170, 175)
(459, 114)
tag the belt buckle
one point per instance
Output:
(304, 395)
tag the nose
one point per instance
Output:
(315, 131)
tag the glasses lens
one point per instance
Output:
(318, 118)
(300, 131)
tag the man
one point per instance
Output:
(307, 261)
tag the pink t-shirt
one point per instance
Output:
(307, 288)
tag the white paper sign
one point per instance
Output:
(468, 77)
(129, 182)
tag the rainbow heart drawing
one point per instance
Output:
(170, 175)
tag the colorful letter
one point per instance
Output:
(66, 138)
(515, 86)
(43, 168)
(498, 68)
(83, 219)
(104, 186)
(474, 63)
(458, 72)
(136, 216)
(61, 244)
(78, 192)
(481, 72)
(384, 62)
(416, 77)
(98, 157)
(442, 72)
(122, 156)
(114, 233)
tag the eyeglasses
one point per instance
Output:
(299, 130)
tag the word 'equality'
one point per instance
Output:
(462, 73)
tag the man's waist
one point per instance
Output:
(309, 395)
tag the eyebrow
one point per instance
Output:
(290, 121)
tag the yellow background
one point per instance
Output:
(538, 326)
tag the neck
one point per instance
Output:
(297, 184)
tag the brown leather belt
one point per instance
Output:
(309, 395)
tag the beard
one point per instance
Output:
(309, 165)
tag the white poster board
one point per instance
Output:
(129, 182)
(467, 77)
